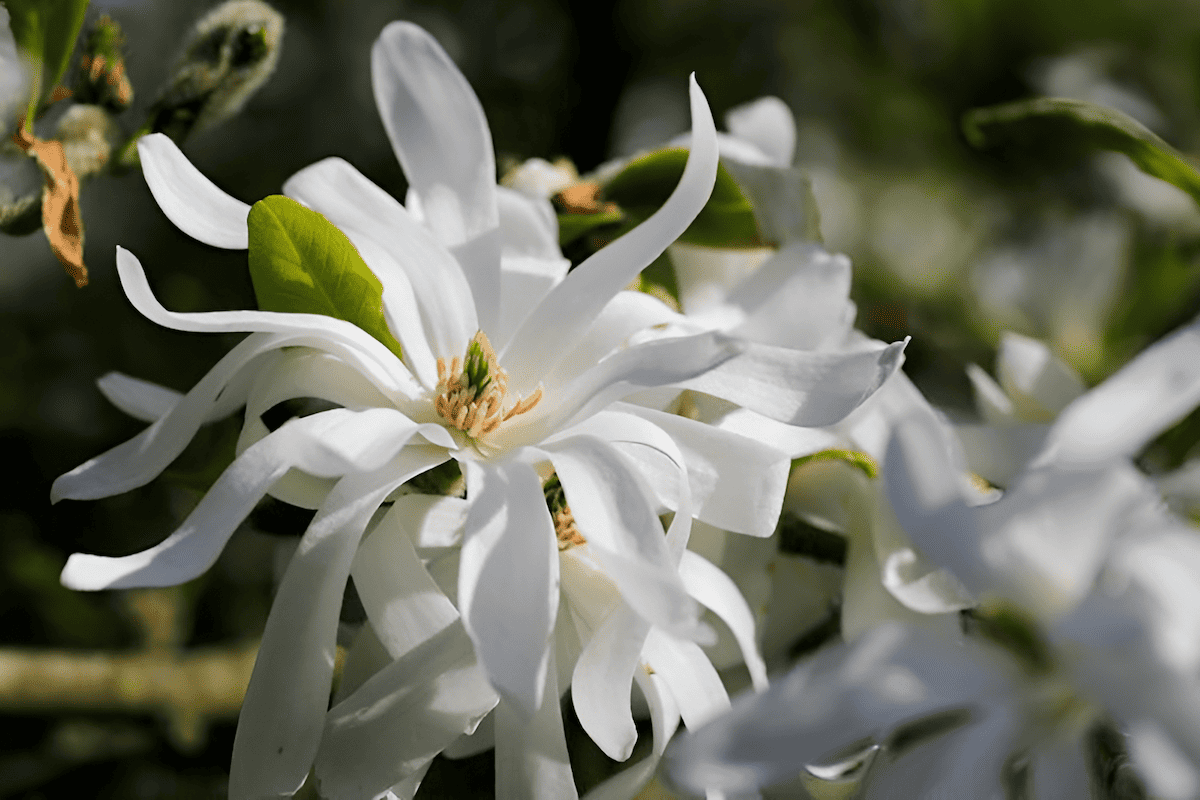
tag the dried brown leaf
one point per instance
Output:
(60, 203)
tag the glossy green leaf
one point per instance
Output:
(301, 263)
(45, 30)
(1074, 122)
(572, 226)
(727, 219)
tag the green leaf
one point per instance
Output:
(572, 226)
(1050, 119)
(727, 219)
(301, 263)
(45, 30)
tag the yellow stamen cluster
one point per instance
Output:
(565, 530)
(472, 391)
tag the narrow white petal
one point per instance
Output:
(433, 521)
(642, 367)
(190, 200)
(1039, 382)
(792, 440)
(717, 592)
(531, 752)
(737, 483)
(705, 276)
(138, 398)
(139, 460)
(441, 137)
(664, 714)
(800, 387)
(613, 512)
(283, 714)
(335, 336)
(508, 579)
(768, 124)
(695, 685)
(392, 727)
(991, 401)
(404, 605)
(1145, 397)
(363, 441)
(603, 678)
(571, 306)
(368, 214)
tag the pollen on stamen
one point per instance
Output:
(473, 391)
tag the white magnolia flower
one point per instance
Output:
(512, 370)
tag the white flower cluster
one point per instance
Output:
(615, 453)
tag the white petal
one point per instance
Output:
(283, 713)
(926, 492)
(138, 398)
(695, 685)
(992, 402)
(571, 306)
(797, 386)
(528, 225)
(1040, 384)
(737, 483)
(508, 579)
(998, 453)
(625, 316)
(705, 276)
(1168, 772)
(527, 281)
(664, 714)
(531, 753)
(799, 298)
(627, 783)
(1145, 397)
(768, 124)
(441, 137)
(393, 726)
(402, 602)
(613, 513)
(362, 441)
(603, 678)
(720, 594)
(433, 521)
(336, 336)
(366, 213)
(792, 440)
(139, 460)
(190, 200)
(645, 366)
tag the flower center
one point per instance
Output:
(565, 531)
(473, 391)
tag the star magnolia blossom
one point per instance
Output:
(509, 368)
(1090, 585)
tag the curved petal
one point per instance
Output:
(394, 725)
(527, 281)
(737, 483)
(998, 453)
(433, 521)
(991, 401)
(139, 460)
(531, 752)
(603, 678)
(190, 200)
(1144, 398)
(570, 308)
(695, 685)
(717, 592)
(528, 225)
(336, 336)
(642, 367)
(138, 398)
(800, 387)
(366, 213)
(664, 714)
(1039, 383)
(441, 137)
(284, 711)
(508, 578)
(614, 514)
(329, 443)
(404, 605)
(768, 124)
